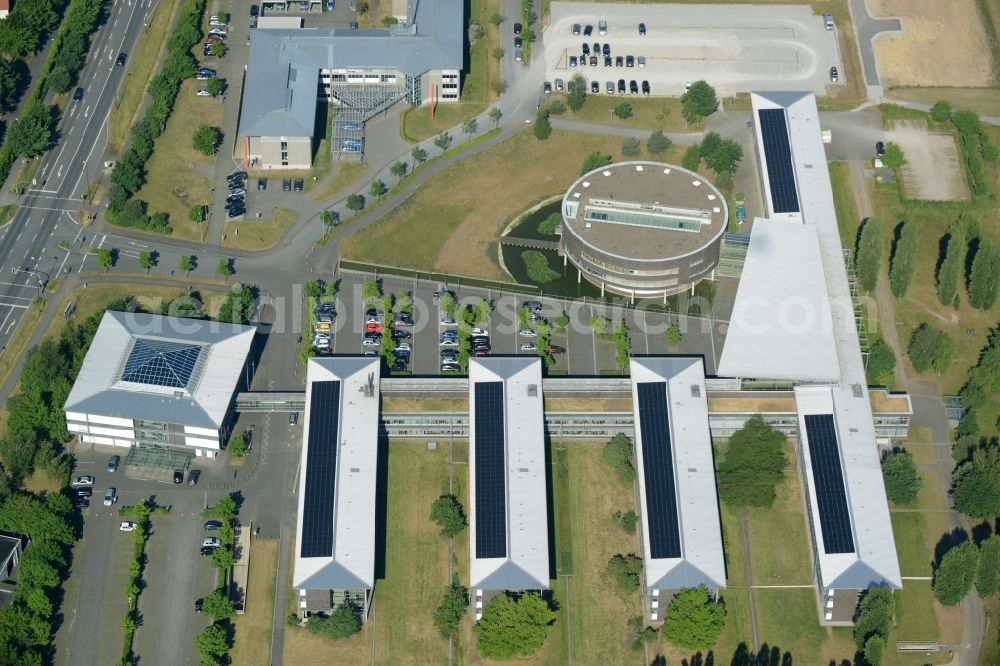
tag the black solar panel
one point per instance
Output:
(161, 363)
(780, 176)
(834, 518)
(491, 496)
(321, 470)
(658, 471)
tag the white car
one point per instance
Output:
(448, 322)
(527, 333)
(404, 346)
(481, 331)
(449, 342)
(211, 542)
(82, 481)
(529, 346)
(203, 93)
(371, 342)
(127, 526)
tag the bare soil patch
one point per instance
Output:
(942, 44)
(933, 170)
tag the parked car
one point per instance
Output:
(207, 550)
(529, 346)
(532, 305)
(449, 355)
(83, 492)
(633, 87)
(602, 27)
(518, 42)
(645, 87)
(576, 28)
(572, 61)
(547, 88)
(402, 319)
(205, 73)
(621, 86)
(828, 21)
(214, 542)
(593, 61)
(78, 95)
(193, 477)
(610, 88)
(517, 28)
(261, 184)
(595, 87)
(451, 367)
(879, 148)
(640, 61)
(127, 526)
(113, 463)
(253, 11)
(236, 175)
(834, 76)
(299, 185)
(619, 61)
(480, 331)
(110, 496)
(178, 476)
(629, 61)
(448, 321)
(449, 342)
(370, 327)
(642, 28)
(404, 347)
(286, 184)
(203, 93)
(198, 605)
(606, 49)
(556, 349)
(82, 481)
(518, 55)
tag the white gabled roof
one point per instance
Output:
(781, 326)
(204, 398)
(526, 566)
(874, 561)
(352, 564)
(702, 560)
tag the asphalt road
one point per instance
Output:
(29, 244)
(867, 30)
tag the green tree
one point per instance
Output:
(212, 642)
(594, 160)
(378, 189)
(331, 218)
(950, 271)
(692, 158)
(313, 289)
(30, 133)
(443, 141)
(218, 606)
(976, 483)
(618, 453)
(447, 512)
(904, 259)
(988, 574)
(674, 335)
(657, 143)
(371, 291)
(902, 480)
(470, 126)
(225, 267)
(222, 558)
(881, 363)
(215, 86)
(627, 570)
(556, 107)
(217, 50)
(576, 92)
(930, 349)
(725, 157)
(622, 110)
(495, 115)
(709, 144)
(356, 202)
(956, 574)
(599, 324)
(542, 129)
(10, 85)
(754, 465)
(875, 615)
(482, 310)
(893, 156)
(449, 613)
(187, 263)
(206, 140)
(513, 627)
(631, 147)
(694, 621)
(196, 213)
(399, 169)
(237, 446)
(627, 521)
(623, 346)
(699, 101)
(419, 155)
(105, 259)
(146, 260)
(941, 111)
(984, 279)
(874, 651)
(869, 257)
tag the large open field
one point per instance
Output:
(942, 44)
(451, 224)
(252, 630)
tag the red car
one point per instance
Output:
(373, 327)
(215, 39)
(479, 353)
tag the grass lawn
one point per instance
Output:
(174, 183)
(19, 340)
(737, 631)
(418, 124)
(788, 619)
(598, 611)
(732, 544)
(916, 535)
(785, 524)
(253, 234)
(930, 495)
(252, 635)
(452, 222)
(347, 173)
(305, 649)
(141, 63)
(40, 482)
(920, 618)
(6, 213)
(483, 68)
(413, 585)
(653, 113)
(984, 101)
(844, 203)
(923, 454)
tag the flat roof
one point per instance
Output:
(340, 555)
(781, 326)
(520, 517)
(641, 198)
(697, 557)
(156, 368)
(854, 539)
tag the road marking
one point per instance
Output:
(32, 189)
(18, 236)
(12, 325)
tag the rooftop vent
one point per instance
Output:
(606, 173)
(533, 390)
(355, 469)
(856, 389)
(695, 391)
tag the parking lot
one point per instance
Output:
(736, 48)
(584, 352)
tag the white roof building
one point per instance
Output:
(678, 503)
(508, 515)
(335, 537)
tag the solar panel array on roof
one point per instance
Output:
(321, 470)
(491, 496)
(834, 517)
(780, 175)
(658, 471)
(160, 363)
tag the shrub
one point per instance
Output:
(627, 571)
(449, 613)
(930, 349)
(618, 453)
(342, 623)
(538, 267)
(694, 620)
(594, 160)
(547, 227)
(869, 257)
(902, 481)
(904, 259)
(881, 364)
(447, 512)
(950, 271)
(627, 521)
(513, 626)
